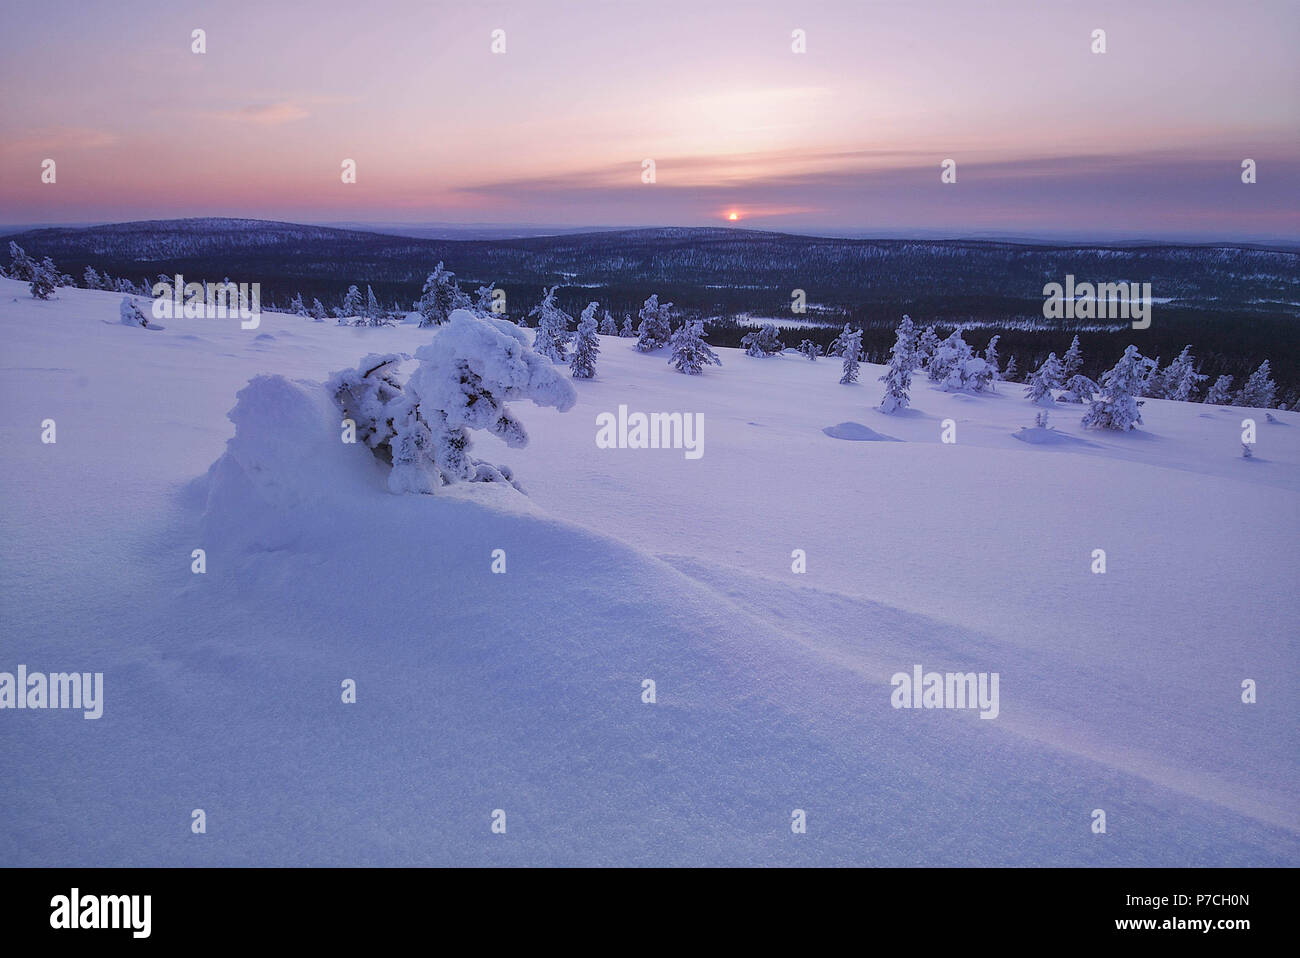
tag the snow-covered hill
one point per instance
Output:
(523, 692)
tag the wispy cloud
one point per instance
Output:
(270, 114)
(52, 139)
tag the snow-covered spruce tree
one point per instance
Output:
(1117, 406)
(1153, 384)
(1260, 390)
(763, 342)
(91, 278)
(1189, 380)
(690, 353)
(991, 357)
(809, 349)
(44, 280)
(926, 344)
(1043, 380)
(1220, 393)
(626, 331)
(1170, 379)
(837, 344)
(130, 313)
(352, 306)
(374, 313)
(898, 377)
(296, 307)
(318, 310)
(553, 335)
(464, 379)
(945, 355)
(484, 302)
(1079, 388)
(441, 294)
(21, 267)
(587, 346)
(955, 366)
(1072, 361)
(607, 325)
(1011, 373)
(850, 349)
(367, 396)
(655, 328)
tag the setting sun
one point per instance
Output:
(733, 216)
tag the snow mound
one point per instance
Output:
(1047, 436)
(287, 457)
(856, 432)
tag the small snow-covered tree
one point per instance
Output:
(352, 306)
(626, 331)
(91, 278)
(130, 313)
(690, 353)
(655, 328)
(1220, 393)
(22, 267)
(374, 315)
(946, 354)
(607, 325)
(367, 395)
(1188, 382)
(553, 335)
(955, 366)
(1153, 384)
(809, 349)
(1178, 374)
(484, 301)
(465, 377)
(991, 357)
(898, 377)
(850, 349)
(1080, 389)
(1043, 380)
(1011, 373)
(926, 344)
(1260, 390)
(763, 342)
(587, 346)
(1117, 405)
(837, 344)
(441, 294)
(1072, 361)
(318, 310)
(296, 307)
(44, 279)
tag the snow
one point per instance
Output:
(857, 432)
(522, 691)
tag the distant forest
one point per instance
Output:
(1235, 305)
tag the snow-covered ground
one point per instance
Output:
(523, 692)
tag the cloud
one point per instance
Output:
(270, 114)
(47, 141)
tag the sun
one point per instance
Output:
(733, 216)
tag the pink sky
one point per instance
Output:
(1048, 137)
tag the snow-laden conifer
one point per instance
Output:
(1117, 405)
(586, 346)
(1043, 380)
(762, 342)
(690, 353)
(850, 349)
(655, 328)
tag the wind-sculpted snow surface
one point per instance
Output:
(523, 688)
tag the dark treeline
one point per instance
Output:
(1234, 305)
